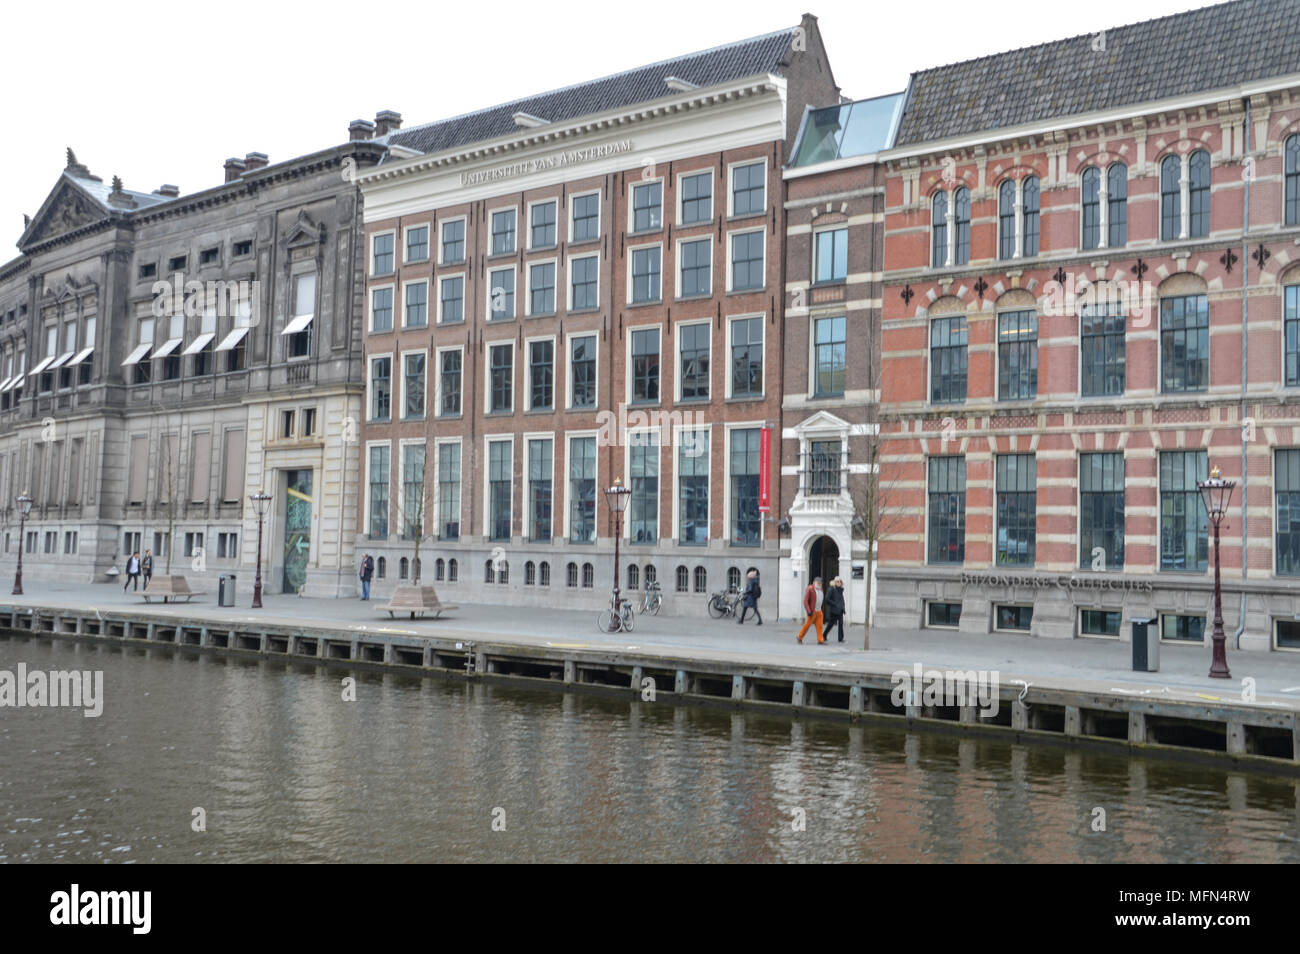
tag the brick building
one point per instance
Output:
(1091, 299)
(574, 288)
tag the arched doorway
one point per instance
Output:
(823, 560)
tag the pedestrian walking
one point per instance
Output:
(367, 573)
(835, 607)
(132, 571)
(749, 601)
(812, 605)
(146, 567)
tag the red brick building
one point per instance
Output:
(1091, 300)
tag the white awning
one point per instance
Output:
(16, 380)
(82, 355)
(199, 343)
(229, 341)
(166, 348)
(4, 385)
(61, 360)
(135, 356)
(41, 365)
(298, 324)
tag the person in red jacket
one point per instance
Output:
(812, 605)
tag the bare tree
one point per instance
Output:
(411, 508)
(169, 478)
(876, 515)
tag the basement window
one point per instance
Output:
(942, 615)
(1182, 629)
(1287, 635)
(1100, 622)
(1013, 618)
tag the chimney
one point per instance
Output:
(360, 129)
(169, 191)
(255, 160)
(387, 121)
(234, 169)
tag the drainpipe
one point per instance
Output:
(1245, 275)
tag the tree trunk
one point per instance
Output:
(866, 622)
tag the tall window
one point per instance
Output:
(542, 225)
(304, 307)
(582, 371)
(417, 243)
(413, 386)
(1007, 219)
(829, 344)
(643, 476)
(582, 490)
(502, 371)
(1017, 355)
(1184, 524)
(1091, 207)
(645, 364)
(503, 232)
(1016, 509)
(1029, 216)
(747, 357)
(452, 292)
(647, 206)
(378, 478)
(582, 272)
(540, 452)
(500, 481)
(697, 198)
(693, 340)
(448, 491)
(939, 230)
(1171, 198)
(1287, 488)
(383, 254)
(501, 293)
(381, 309)
(947, 510)
(453, 242)
(824, 467)
(646, 273)
(747, 189)
(1198, 194)
(449, 385)
(1184, 343)
(693, 488)
(1117, 205)
(831, 255)
(745, 518)
(961, 224)
(1101, 511)
(1292, 176)
(696, 268)
(412, 491)
(586, 218)
(381, 388)
(541, 375)
(948, 359)
(417, 305)
(541, 289)
(1101, 351)
(746, 261)
(1291, 332)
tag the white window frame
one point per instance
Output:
(677, 357)
(487, 376)
(406, 233)
(631, 251)
(525, 479)
(427, 309)
(677, 272)
(731, 186)
(568, 369)
(630, 376)
(370, 308)
(403, 444)
(569, 282)
(731, 236)
(513, 269)
(627, 469)
(528, 287)
(442, 223)
(488, 440)
(600, 212)
(728, 427)
(491, 215)
(374, 237)
(569, 438)
(730, 324)
(410, 351)
(528, 372)
(817, 233)
(640, 183)
(528, 216)
(678, 431)
(438, 442)
(370, 386)
(386, 442)
(463, 296)
(691, 173)
(437, 385)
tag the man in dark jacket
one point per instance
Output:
(132, 571)
(367, 573)
(146, 567)
(750, 600)
(835, 607)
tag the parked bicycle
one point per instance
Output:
(724, 603)
(610, 622)
(652, 599)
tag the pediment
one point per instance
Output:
(66, 209)
(822, 422)
(304, 233)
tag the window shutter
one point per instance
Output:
(139, 468)
(200, 466)
(234, 481)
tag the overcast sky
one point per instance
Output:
(165, 92)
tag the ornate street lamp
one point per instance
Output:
(1216, 493)
(617, 496)
(261, 500)
(24, 508)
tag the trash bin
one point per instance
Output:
(1146, 645)
(226, 589)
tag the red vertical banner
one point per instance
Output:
(765, 470)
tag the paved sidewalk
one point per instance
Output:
(1084, 664)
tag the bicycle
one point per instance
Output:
(724, 603)
(652, 599)
(607, 621)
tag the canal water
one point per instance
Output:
(285, 769)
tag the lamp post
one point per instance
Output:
(1216, 493)
(24, 508)
(260, 501)
(617, 496)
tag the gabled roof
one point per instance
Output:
(79, 199)
(1202, 50)
(756, 56)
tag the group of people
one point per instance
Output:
(137, 567)
(824, 609)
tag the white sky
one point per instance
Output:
(166, 91)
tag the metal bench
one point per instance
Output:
(417, 600)
(174, 588)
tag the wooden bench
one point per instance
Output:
(417, 600)
(174, 588)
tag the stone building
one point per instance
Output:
(164, 356)
(575, 288)
(1091, 302)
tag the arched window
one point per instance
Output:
(939, 230)
(1007, 219)
(453, 571)
(961, 225)
(633, 576)
(439, 570)
(1091, 207)
(683, 580)
(1198, 194)
(381, 567)
(572, 574)
(489, 574)
(1117, 205)
(403, 568)
(1171, 204)
(701, 580)
(544, 577)
(650, 574)
(1029, 216)
(588, 576)
(1293, 180)
(503, 572)
(530, 573)
(733, 577)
